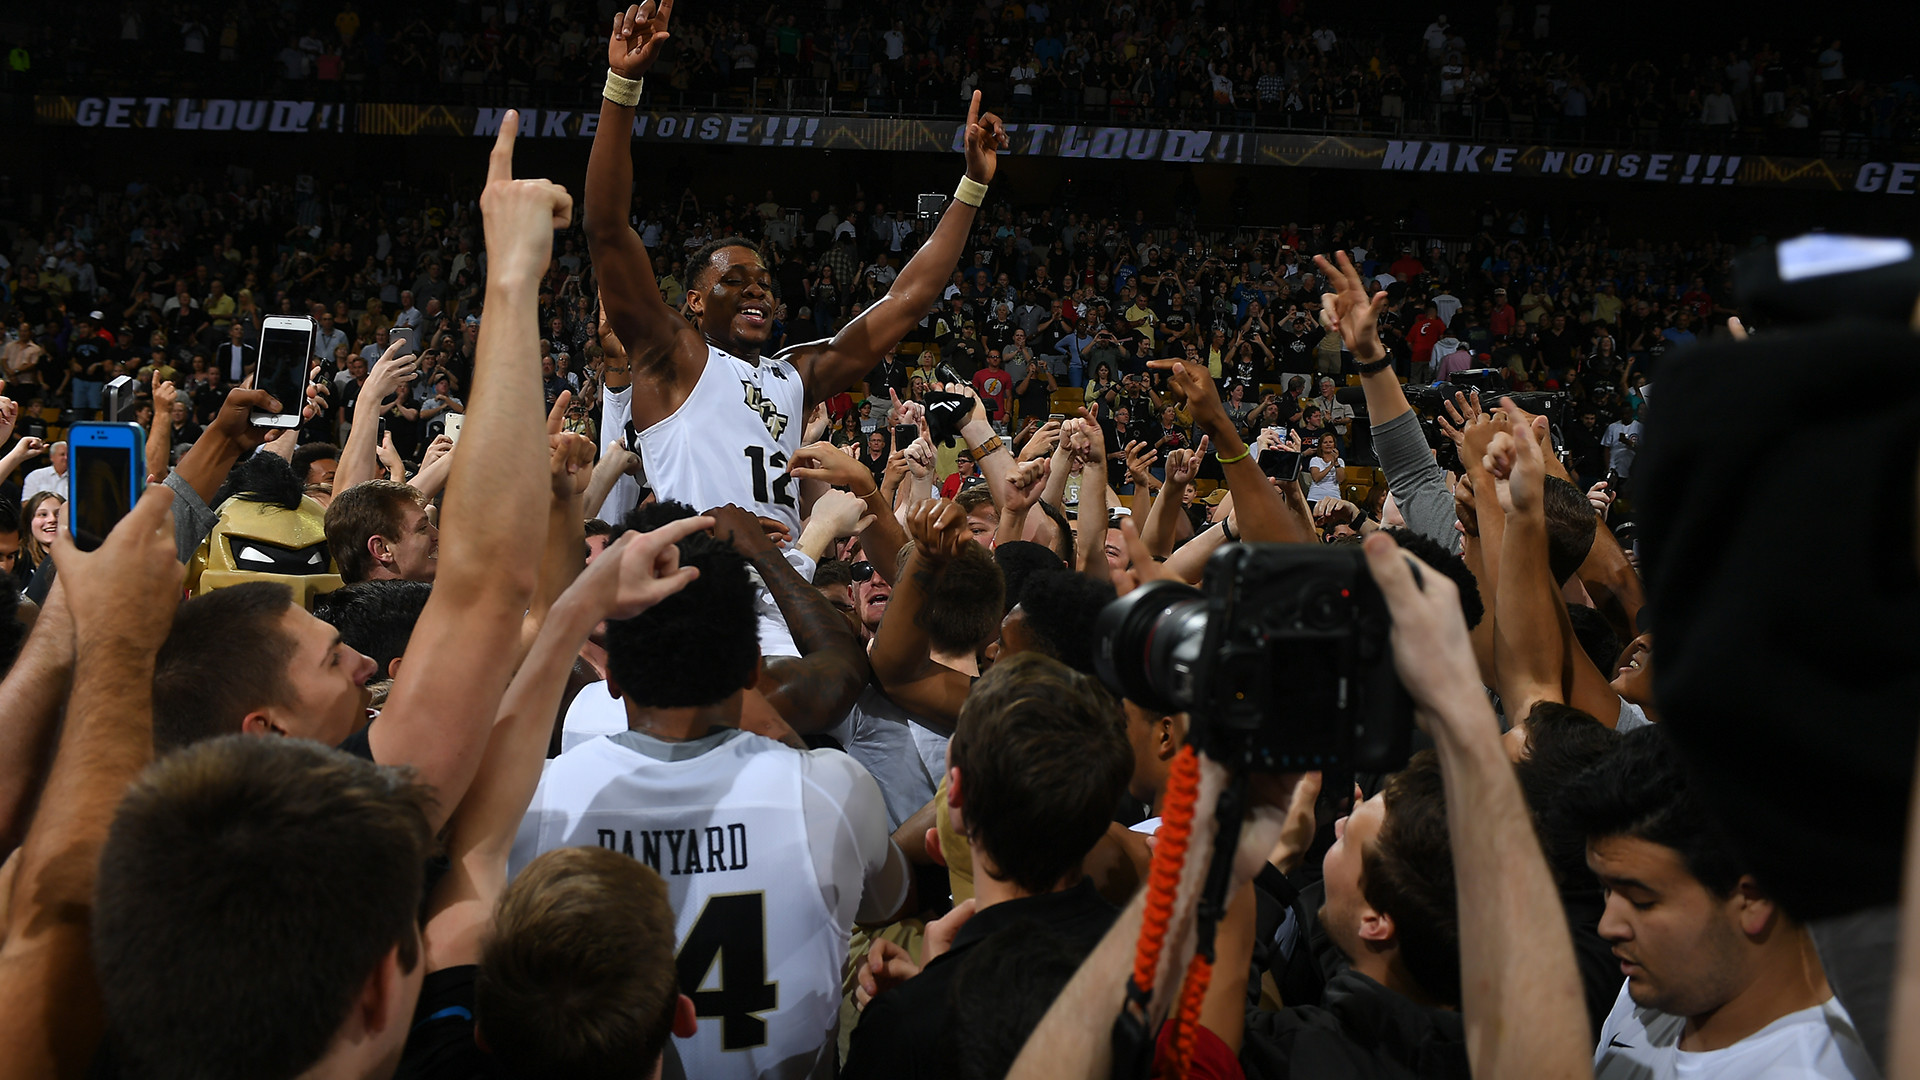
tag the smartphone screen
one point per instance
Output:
(284, 359)
(103, 492)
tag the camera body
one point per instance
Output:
(1282, 659)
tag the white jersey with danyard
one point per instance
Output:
(732, 440)
(770, 854)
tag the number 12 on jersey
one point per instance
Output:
(731, 929)
(780, 491)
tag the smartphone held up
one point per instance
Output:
(105, 477)
(286, 352)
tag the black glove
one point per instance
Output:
(946, 415)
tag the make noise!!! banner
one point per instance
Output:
(1054, 140)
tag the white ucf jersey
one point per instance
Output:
(732, 440)
(769, 855)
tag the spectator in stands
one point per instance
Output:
(51, 477)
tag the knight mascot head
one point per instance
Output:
(269, 530)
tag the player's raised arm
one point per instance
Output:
(635, 310)
(864, 341)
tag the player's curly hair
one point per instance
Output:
(701, 260)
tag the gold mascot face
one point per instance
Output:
(261, 542)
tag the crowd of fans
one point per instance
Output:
(563, 776)
(1499, 74)
(1050, 306)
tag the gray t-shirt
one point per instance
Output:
(1418, 483)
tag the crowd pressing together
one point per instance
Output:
(635, 725)
(1501, 73)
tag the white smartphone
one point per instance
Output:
(454, 420)
(286, 354)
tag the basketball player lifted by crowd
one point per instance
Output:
(717, 422)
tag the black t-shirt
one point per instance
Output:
(91, 355)
(440, 1046)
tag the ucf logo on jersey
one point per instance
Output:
(770, 413)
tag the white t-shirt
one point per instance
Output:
(770, 854)
(1819, 1042)
(1328, 488)
(1615, 440)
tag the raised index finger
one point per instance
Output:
(500, 162)
(973, 111)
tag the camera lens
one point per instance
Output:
(1147, 644)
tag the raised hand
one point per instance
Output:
(388, 455)
(817, 421)
(938, 528)
(126, 591)
(979, 413)
(1045, 438)
(317, 391)
(897, 470)
(1600, 497)
(1296, 835)
(638, 34)
(569, 464)
(1327, 509)
(9, 412)
(1140, 461)
(1461, 410)
(390, 374)
(831, 465)
(1478, 435)
(640, 569)
(1025, 484)
(844, 511)
(919, 456)
(164, 395)
(986, 137)
(234, 421)
(440, 447)
(1514, 456)
(1349, 310)
(1184, 465)
(519, 216)
(1196, 386)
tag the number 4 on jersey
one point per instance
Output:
(733, 930)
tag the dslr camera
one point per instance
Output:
(1281, 659)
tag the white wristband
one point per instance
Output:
(970, 191)
(621, 90)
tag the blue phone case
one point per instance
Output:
(106, 475)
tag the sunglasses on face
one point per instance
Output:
(862, 571)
